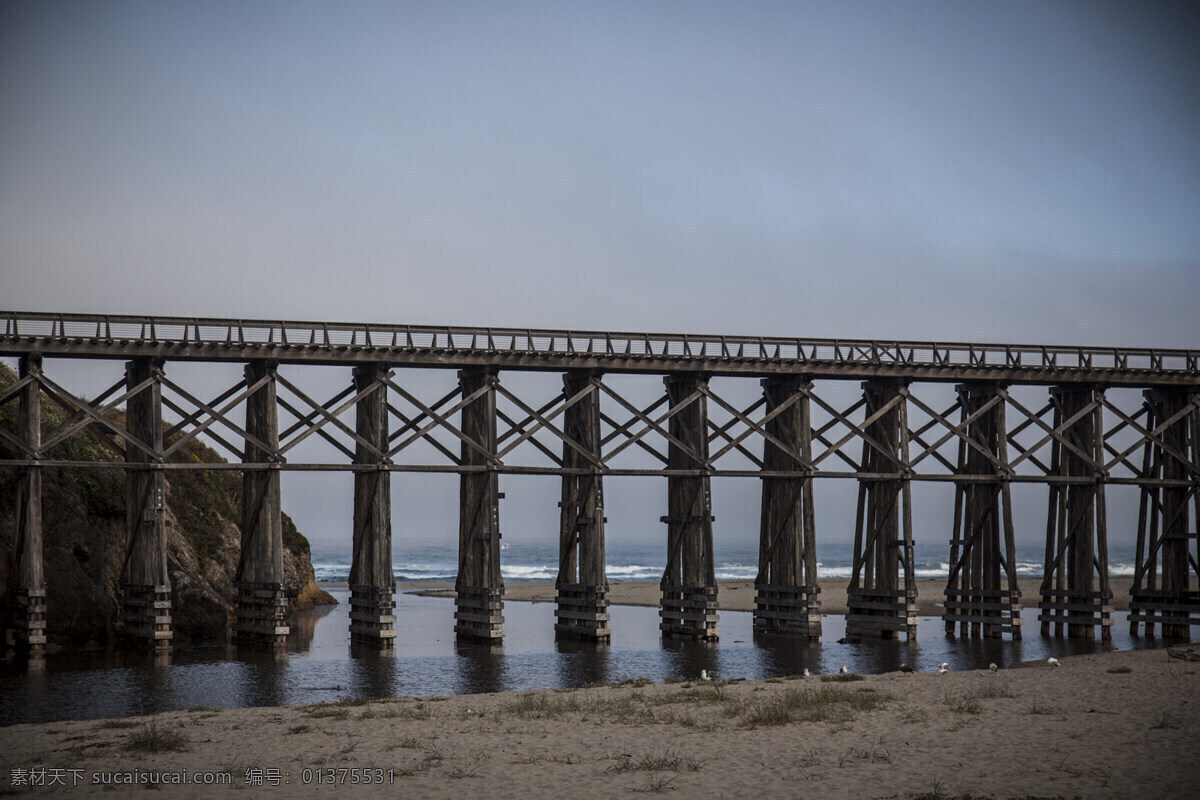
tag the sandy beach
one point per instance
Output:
(1118, 725)
(739, 595)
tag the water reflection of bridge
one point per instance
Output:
(1102, 417)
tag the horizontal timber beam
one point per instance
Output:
(621, 472)
(194, 339)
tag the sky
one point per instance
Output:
(1016, 172)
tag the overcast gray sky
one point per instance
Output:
(1023, 172)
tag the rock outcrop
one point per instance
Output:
(84, 534)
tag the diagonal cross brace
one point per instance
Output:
(759, 428)
(216, 415)
(960, 431)
(512, 423)
(656, 424)
(65, 398)
(79, 418)
(619, 429)
(544, 422)
(721, 432)
(516, 428)
(440, 419)
(331, 417)
(411, 423)
(1058, 434)
(861, 432)
(819, 435)
(1154, 436)
(933, 422)
(20, 444)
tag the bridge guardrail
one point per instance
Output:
(196, 331)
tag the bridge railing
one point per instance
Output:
(101, 329)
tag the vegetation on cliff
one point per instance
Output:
(84, 538)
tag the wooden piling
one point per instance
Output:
(582, 583)
(479, 588)
(689, 585)
(372, 582)
(1167, 547)
(260, 608)
(146, 585)
(787, 598)
(1075, 591)
(28, 615)
(878, 604)
(982, 595)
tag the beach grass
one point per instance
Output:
(153, 738)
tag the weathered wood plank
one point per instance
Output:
(259, 576)
(689, 577)
(145, 582)
(479, 586)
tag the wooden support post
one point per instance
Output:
(1167, 548)
(146, 586)
(876, 602)
(582, 604)
(261, 607)
(27, 625)
(787, 591)
(479, 587)
(982, 595)
(1075, 590)
(372, 582)
(689, 585)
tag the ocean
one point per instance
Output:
(525, 561)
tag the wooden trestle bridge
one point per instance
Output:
(1074, 440)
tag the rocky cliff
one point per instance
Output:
(84, 533)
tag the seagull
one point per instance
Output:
(843, 670)
(992, 666)
(905, 667)
(704, 675)
(1052, 661)
(807, 674)
(943, 668)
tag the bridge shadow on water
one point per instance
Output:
(321, 665)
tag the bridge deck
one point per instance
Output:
(214, 339)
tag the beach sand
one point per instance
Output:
(739, 595)
(1118, 725)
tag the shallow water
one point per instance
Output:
(321, 665)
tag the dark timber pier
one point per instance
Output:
(1076, 444)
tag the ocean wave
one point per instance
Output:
(736, 572)
(640, 565)
(633, 572)
(520, 573)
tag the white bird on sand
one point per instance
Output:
(992, 666)
(843, 670)
(807, 674)
(704, 675)
(1052, 661)
(943, 668)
